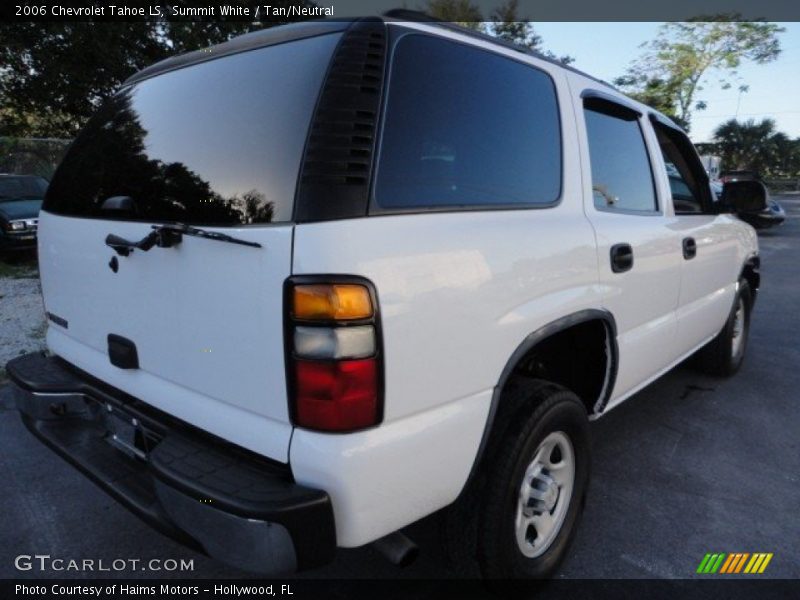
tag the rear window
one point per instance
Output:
(466, 128)
(217, 143)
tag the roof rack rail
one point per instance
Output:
(406, 14)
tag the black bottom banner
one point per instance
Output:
(313, 589)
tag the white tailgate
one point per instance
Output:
(206, 318)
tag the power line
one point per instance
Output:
(758, 114)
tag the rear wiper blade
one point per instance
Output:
(203, 233)
(169, 235)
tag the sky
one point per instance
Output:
(604, 50)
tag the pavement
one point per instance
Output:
(690, 465)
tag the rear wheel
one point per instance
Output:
(520, 512)
(723, 355)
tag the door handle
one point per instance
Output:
(689, 248)
(621, 258)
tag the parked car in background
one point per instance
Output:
(20, 200)
(739, 175)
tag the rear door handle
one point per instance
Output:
(621, 258)
(689, 248)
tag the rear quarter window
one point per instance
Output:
(466, 128)
(216, 143)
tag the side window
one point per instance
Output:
(622, 179)
(465, 127)
(688, 182)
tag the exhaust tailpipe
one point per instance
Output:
(397, 548)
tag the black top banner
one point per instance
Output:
(293, 10)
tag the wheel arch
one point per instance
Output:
(751, 271)
(534, 340)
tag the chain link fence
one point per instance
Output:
(784, 186)
(31, 156)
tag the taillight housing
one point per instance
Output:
(334, 357)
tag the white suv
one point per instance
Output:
(311, 285)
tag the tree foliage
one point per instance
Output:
(507, 26)
(504, 23)
(33, 157)
(677, 64)
(756, 146)
(55, 75)
(462, 12)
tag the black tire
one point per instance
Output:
(479, 531)
(718, 357)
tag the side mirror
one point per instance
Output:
(745, 196)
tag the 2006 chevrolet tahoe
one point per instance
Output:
(325, 279)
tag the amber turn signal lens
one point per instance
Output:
(334, 302)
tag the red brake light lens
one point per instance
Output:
(336, 395)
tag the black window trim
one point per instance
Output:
(706, 202)
(594, 94)
(656, 117)
(396, 34)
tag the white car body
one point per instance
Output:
(459, 293)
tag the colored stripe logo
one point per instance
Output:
(736, 562)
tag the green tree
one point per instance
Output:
(786, 152)
(676, 65)
(745, 145)
(505, 24)
(55, 75)
(657, 92)
(756, 145)
(462, 12)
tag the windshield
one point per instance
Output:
(22, 187)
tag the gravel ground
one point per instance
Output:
(22, 324)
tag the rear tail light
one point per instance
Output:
(333, 356)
